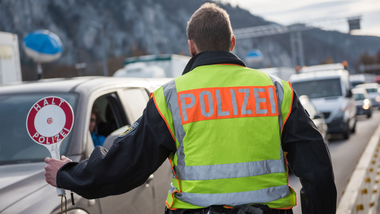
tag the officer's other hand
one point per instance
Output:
(52, 167)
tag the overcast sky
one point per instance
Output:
(330, 15)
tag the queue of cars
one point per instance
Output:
(121, 101)
(331, 92)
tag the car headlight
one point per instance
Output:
(378, 99)
(365, 106)
(366, 101)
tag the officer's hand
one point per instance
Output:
(52, 167)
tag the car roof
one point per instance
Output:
(157, 82)
(359, 90)
(76, 84)
(368, 85)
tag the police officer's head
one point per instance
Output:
(209, 29)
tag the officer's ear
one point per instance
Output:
(192, 47)
(233, 42)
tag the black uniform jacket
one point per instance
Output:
(136, 155)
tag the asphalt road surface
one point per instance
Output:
(345, 154)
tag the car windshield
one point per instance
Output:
(359, 96)
(318, 88)
(371, 90)
(16, 146)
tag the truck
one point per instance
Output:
(329, 89)
(283, 73)
(10, 66)
(154, 66)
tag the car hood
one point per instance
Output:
(327, 104)
(359, 102)
(18, 181)
(373, 95)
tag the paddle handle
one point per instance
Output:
(61, 192)
(54, 151)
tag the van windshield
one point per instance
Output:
(318, 88)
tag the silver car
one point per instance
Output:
(373, 93)
(22, 183)
(317, 117)
(363, 102)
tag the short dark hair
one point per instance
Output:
(210, 28)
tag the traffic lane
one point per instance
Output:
(345, 155)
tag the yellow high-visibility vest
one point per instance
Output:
(227, 121)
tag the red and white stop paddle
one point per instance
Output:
(48, 123)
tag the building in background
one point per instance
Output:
(10, 68)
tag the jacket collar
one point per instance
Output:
(211, 58)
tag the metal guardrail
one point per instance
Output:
(362, 192)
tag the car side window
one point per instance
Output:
(111, 114)
(134, 101)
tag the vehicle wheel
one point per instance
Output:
(354, 127)
(346, 133)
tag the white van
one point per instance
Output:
(330, 92)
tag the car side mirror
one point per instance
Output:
(109, 141)
(110, 138)
(319, 115)
(349, 93)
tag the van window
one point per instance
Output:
(319, 88)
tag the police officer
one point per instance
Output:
(229, 131)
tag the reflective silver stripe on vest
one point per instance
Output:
(170, 93)
(236, 198)
(280, 96)
(234, 170)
